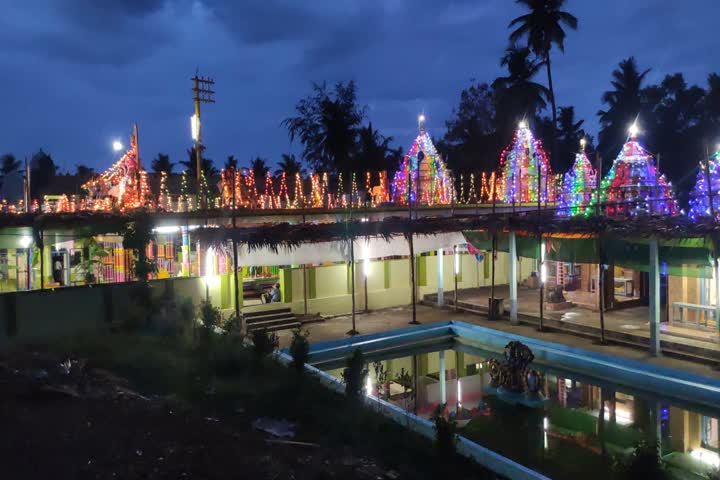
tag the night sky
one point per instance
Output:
(75, 75)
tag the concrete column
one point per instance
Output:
(717, 295)
(654, 294)
(512, 278)
(443, 392)
(440, 276)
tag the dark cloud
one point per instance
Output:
(80, 72)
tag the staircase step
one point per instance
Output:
(270, 316)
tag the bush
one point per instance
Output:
(140, 308)
(445, 434)
(229, 356)
(643, 462)
(354, 374)
(231, 326)
(209, 315)
(299, 349)
(264, 343)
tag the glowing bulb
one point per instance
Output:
(195, 127)
(421, 118)
(633, 130)
(522, 124)
(25, 241)
(583, 142)
(117, 145)
(368, 387)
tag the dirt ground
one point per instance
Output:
(71, 421)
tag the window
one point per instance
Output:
(710, 433)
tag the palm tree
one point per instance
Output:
(373, 150)
(289, 165)
(327, 125)
(8, 164)
(190, 164)
(624, 104)
(542, 26)
(259, 168)
(517, 96)
(569, 134)
(162, 163)
(231, 163)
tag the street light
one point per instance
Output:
(117, 145)
(633, 130)
(522, 124)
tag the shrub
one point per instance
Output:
(264, 343)
(354, 374)
(231, 326)
(230, 357)
(209, 315)
(445, 434)
(299, 349)
(643, 462)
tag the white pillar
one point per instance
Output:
(717, 295)
(512, 278)
(440, 276)
(443, 393)
(654, 297)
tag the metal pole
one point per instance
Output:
(412, 282)
(541, 262)
(235, 257)
(456, 265)
(353, 331)
(601, 290)
(41, 247)
(305, 290)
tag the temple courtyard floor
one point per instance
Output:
(581, 330)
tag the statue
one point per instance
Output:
(514, 375)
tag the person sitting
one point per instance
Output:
(275, 294)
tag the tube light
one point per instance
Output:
(195, 127)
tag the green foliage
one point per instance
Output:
(93, 254)
(136, 237)
(264, 342)
(327, 125)
(229, 356)
(445, 435)
(209, 315)
(299, 349)
(643, 462)
(140, 309)
(232, 325)
(354, 374)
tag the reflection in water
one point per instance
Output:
(582, 425)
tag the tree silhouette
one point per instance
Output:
(42, 173)
(543, 26)
(624, 104)
(373, 150)
(191, 165)
(569, 134)
(231, 163)
(327, 125)
(470, 143)
(8, 164)
(517, 96)
(83, 172)
(162, 163)
(259, 168)
(289, 165)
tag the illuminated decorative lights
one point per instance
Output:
(578, 188)
(634, 186)
(520, 164)
(699, 196)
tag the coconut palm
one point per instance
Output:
(8, 164)
(542, 27)
(624, 104)
(162, 163)
(289, 165)
(517, 96)
(327, 126)
(231, 163)
(373, 150)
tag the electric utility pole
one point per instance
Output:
(202, 93)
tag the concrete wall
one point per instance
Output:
(40, 314)
(388, 282)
